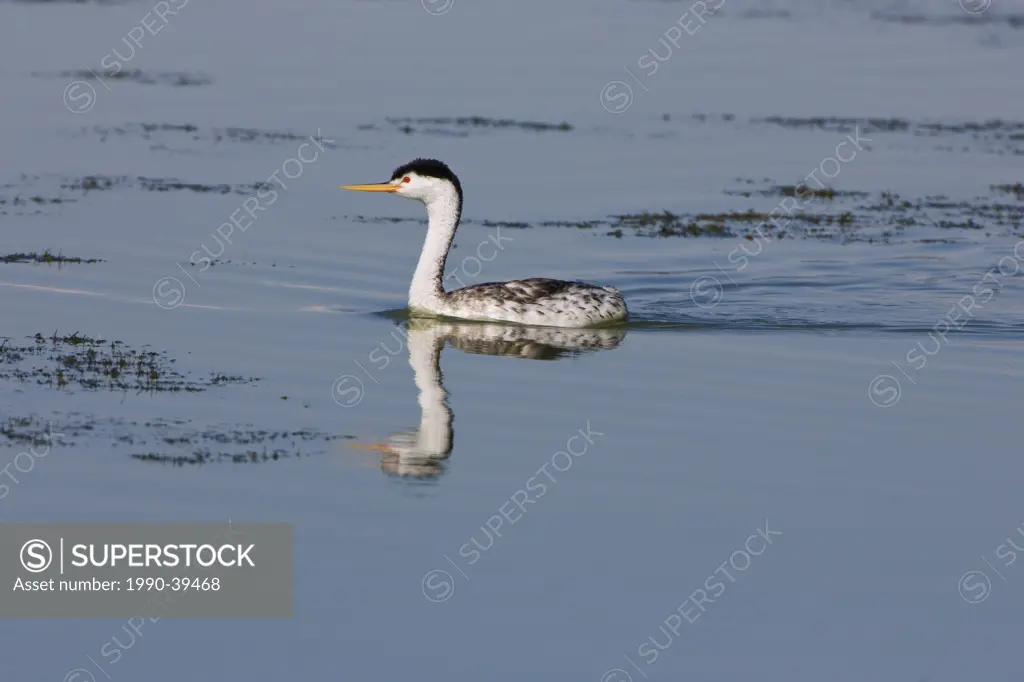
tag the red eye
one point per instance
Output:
(406, 179)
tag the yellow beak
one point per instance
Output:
(370, 446)
(382, 187)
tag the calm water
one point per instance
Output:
(850, 392)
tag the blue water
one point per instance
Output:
(851, 395)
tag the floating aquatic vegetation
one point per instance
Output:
(231, 445)
(995, 135)
(46, 257)
(169, 132)
(460, 126)
(668, 224)
(170, 78)
(91, 183)
(20, 431)
(37, 200)
(804, 191)
(799, 212)
(162, 441)
(376, 220)
(1016, 189)
(79, 362)
(1013, 21)
(24, 198)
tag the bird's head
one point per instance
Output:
(426, 180)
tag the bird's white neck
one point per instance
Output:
(427, 289)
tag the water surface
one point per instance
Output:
(853, 385)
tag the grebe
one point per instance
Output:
(540, 302)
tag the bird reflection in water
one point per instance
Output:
(421, 453)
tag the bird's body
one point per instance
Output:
(541, 302)
(537, 301)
